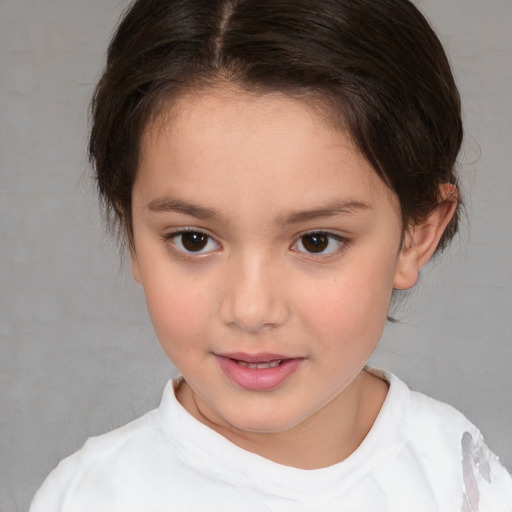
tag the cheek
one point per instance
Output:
(178, 312)
(351, 310)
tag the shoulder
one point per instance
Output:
(449, 448)
(99, 471)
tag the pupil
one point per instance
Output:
(315, 243)
(194, 241)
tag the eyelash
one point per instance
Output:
(340, 241)
(169, 237)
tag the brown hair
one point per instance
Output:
(377, 64)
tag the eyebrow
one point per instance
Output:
(337, 207)
(329, 210)
(171, 204)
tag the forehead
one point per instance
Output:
(225, 109)
(224, 141)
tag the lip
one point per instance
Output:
(258, 378)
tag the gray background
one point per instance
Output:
(78, 355)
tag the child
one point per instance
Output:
(278, 168)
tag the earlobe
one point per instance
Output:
(421, 240)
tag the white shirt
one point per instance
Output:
(420, 455)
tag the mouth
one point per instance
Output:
(258, 372)
(261, 365)
(257, 361)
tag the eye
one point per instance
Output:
(192, 242)
(319, 243)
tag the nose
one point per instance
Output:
(254, 297)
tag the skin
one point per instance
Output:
(255, 174)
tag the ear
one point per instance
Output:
(421, 240)
(135, 265)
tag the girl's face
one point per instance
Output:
(268, 249)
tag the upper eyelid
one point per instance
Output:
(326, 232)
(172, 233)
(342, 240)
(168, 236)
(186, 229)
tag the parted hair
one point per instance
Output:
(377, 67)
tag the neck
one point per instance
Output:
(327, 437)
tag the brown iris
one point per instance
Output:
(194, 241)
(316, 242)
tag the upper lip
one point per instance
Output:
(262, 357)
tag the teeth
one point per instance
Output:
(260, 366)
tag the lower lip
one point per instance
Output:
(258, 379)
